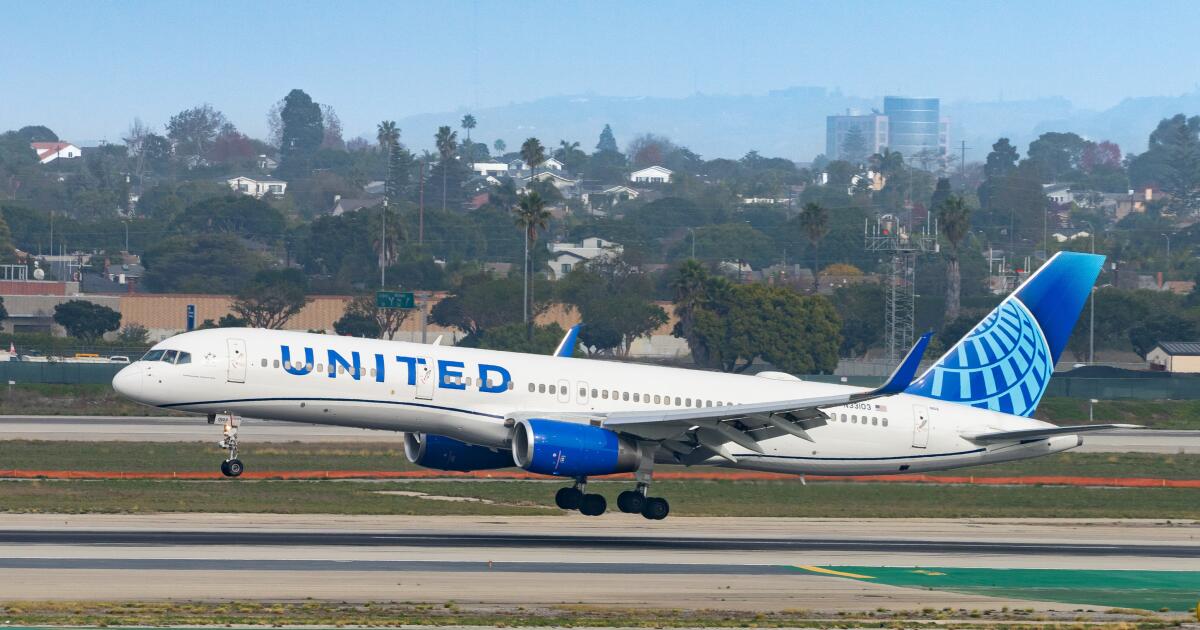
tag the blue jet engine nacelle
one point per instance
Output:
(442, 453)
(568, 449)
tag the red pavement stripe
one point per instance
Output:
(1112, 482)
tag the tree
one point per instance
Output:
(362, 318)
(272, 298)
(854, 146)
(513, 338)
(614, 302)
(37, 133)
(1002, 160)
(1058, 156)
(447, 144)
(860, 306)
(480, 302)
(331, 137)
(86, 320)
(302, 134)
(355, 324)
(954, 222)
(134, 335)
(200, 263)
(887, 162)
(531, 217)
(388, 135)
(3, 312)
(1172, 162)
(607, 142)
(534, 154)
(941, 192)
(468, 123)
(241, 215)
(8, 252)
(814, 221)
(193, 131)
(572, 157)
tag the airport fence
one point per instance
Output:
(57, 372)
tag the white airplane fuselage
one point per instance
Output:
(468, 394)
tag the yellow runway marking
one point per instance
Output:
(832, 572)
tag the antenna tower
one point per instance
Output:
(888, 236)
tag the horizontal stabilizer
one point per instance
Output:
(1044, 432)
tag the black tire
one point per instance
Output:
(631, 502)
(593, 505)
(568, 498)
(235, 467)
(225, 468)
(656, 509)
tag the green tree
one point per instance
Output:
(302, 134)
(1172, 162)
(193, 131)
(8, 253)
(887, 162)
(607, 142)
(356, 324)
(531, 217)
(362, 318)
(134, 335)
(534, 154)
(272, 298)
(1058, 156)
(513, 338)
(480, 302)
(86, 320)
(814, 221)
(200, 263)
(500, 147)
(954, 222)
(854, 146)
(614, 302)
(468, 123)
(447, 144)
(860, 307)
(3, 313)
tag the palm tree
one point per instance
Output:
(814, 220)
(468, 123)
(887, 162)
(690, 287)
(533, 153)
(954, 221)
(388, 135)
(531, 216)
(447, 144)
(499, 146)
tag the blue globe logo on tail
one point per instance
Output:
(1003, 364)
(1006, 361)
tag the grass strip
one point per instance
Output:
(688, 498)
(393, 614)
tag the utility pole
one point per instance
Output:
(421, 205)
(383, 245)
(962, 161)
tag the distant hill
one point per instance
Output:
(788, 123)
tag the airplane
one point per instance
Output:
(465, 409)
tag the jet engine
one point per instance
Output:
(568, 449)
(442, 453)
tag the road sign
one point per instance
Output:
(191, 317)
(394, 299)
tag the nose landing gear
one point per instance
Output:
(232, 466)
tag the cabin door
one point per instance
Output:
(426, 379)
(921, 425)
(237, 360)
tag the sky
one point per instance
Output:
(86, 69)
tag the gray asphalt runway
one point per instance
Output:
(745, 563)
(196, 429)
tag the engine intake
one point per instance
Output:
(442, 453)
(568, 449)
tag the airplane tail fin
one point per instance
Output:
(1006, 361)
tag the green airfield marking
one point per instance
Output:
(1150, 590)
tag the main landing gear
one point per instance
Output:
(232, 466)
(636, 502)
(576, 498)
(630, 501)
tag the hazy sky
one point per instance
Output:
(86, 69)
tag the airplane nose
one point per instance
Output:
(128, 382)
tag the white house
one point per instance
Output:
(552, 164)
(608, 197)
(564, 256)
(258, 186)
(565, 185)
(50, 151)
(652, 175)
(490, 169)
(1058, 193)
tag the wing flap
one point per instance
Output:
(1043, 432)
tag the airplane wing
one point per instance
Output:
(566, 347)
(683, 430)
(1043, 432)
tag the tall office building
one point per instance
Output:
(873, 127)
(915, 125)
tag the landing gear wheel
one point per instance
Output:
(631, 502)
(225, 469)
(234, 467)
(593, 505)
(568, 498)
(656, 509)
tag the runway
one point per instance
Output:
(196, 429)
(745, 564)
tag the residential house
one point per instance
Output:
(552, 164)
(257, 187)
(565, 185)
(267, 163)
(343, 205)
(49, 151)
(604, 198)
(565, 256)
(1133, 201)
(1177, 357)
(490, 169)
(1058, 193)
(652, 175)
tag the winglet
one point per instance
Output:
(566, 347)
(907, 370)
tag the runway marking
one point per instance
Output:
(857, 576)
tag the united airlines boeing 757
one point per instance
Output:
(464, 409)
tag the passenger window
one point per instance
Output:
(372, 372)
(541, 388)
(595, 393)
(582, 392)
(845, 418)
(625, 396)
(264, 363)
(184, 357)
(604, 394)
(276, 363)
(885, 422)
(553, 390)
(636, 397)
(531, 388)
(616, 395)
(677, 402)
(874, 422)
(657, 399)
(308, 367)
(511, 385)
(320, 367)
(687, 402)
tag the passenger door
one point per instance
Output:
(921, 426)
(237, 360)
(426, 379)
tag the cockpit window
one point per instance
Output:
(184, 357)
(169, 357)
(153, 355)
